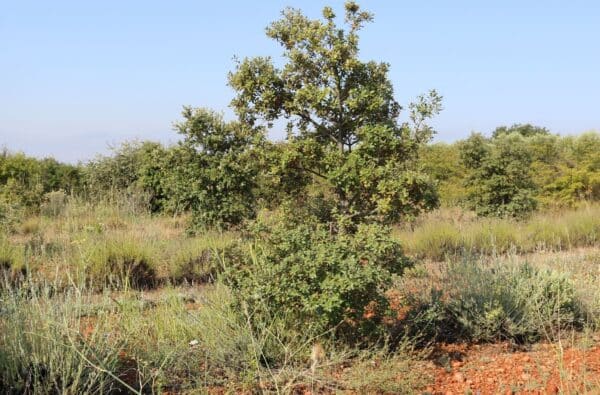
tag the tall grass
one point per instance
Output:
(453, 232)
(104, 245)
(79, 341)
(43, 350)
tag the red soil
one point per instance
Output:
(496, 369)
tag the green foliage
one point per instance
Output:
(500, 183)
(525, 130)
(321, 280)
(442, 163)
(25, 180)
(135, 171)
(491, 302)
(220, 169)
(564, 171)
(344, 137)
(575, 185)
(577, 174)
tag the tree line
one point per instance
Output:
(511, 172)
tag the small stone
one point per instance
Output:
(194, 343)
(525, 377)
(526, 358)
(456, 364)
(458, 377)
(551, 389)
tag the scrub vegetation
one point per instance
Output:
(219, 264)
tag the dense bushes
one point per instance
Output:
(517, 169)
(136, 171)
(500, 183)
(25, 180)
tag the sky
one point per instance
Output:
(78, 77)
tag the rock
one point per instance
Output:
(458, 377)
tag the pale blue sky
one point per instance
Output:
(76, 76)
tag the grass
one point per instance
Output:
(103, 245)
(452, 232)
(79, 341)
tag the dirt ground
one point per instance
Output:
(502, 369)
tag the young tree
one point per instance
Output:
(218, 173)
(344, 135)
(500, 182)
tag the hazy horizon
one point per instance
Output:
(78, 76)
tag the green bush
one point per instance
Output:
(500, 182)
(481, 303)
(321, 280)
(218, 177)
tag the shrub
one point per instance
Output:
(320, 280)
(500, 183)
(478, 302)
(218, 176)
